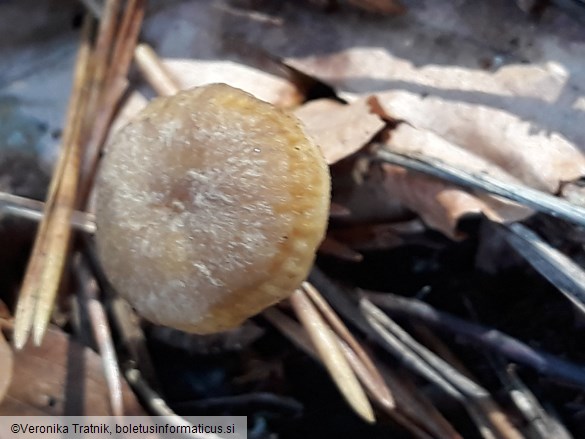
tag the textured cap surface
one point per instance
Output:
(210, 207)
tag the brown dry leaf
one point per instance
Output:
(537, 159)
(339, 130)
(61, 377)
(6, 366)
(270, 88)
(442, 205)
(439, 204)
(518, 102)
(414, 142)
(389, 7)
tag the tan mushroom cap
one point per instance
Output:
(210, 207)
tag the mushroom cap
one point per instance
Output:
(210, 206)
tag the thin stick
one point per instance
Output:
(486, 337)
(43, 274)
(533, 198)
(158, 406)
(127, 39)
(350, 342)
(33, 210)
(124, 318)
(328, 348)
(295, 333)
(115, 85)
(557, 268)
(102, 334)
(154, 71)
(148, 62)
(101, 55)
(488, 416)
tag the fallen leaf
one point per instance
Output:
(339, 130)
(488, 91)
(61, 377)
(414, 142)
(543, 161)
(6, 366)
(270, 88)
(439, 204)
(444, 204)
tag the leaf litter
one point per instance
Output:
(479, 89)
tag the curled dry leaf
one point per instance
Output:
(61, 377)
(538, 159)
(440, 204)
(6, 366)
(339, 130)
(415, 142)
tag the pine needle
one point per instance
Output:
(332, 356)
(45, 267)
(370, 374)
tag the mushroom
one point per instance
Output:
(210, 206)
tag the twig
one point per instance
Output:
(540, 424)
(488, 338)
(124, 318)
(452, 383)
(295, 333)
(560, 270)
(158, 406)
(533, 198)
(102, 334)
(352, 347)
(43, 274)
(112, 84)
(329, 351)
(148, 62)
(487, 415)
(154, 71)
(33, 210)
